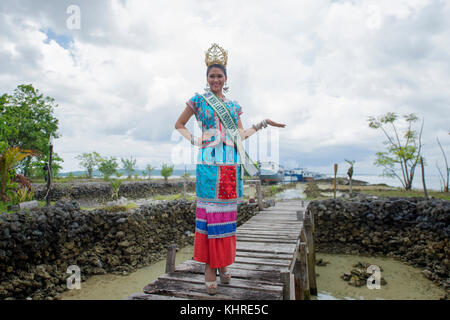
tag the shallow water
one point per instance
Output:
(119, 287)
(292, 193)
(403, 282)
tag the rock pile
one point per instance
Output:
(102, 191)
(37, 246)
(359, 274)
(414, 230)
(321, 263)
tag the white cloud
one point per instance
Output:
(322, 67)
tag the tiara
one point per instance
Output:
(216, 55)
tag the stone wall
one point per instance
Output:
(102, 191)
(37, 247)
(414, 230)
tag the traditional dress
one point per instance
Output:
(219, 187)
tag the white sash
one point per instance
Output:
(233, 131)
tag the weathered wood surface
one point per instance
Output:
(266, 264)
(184, 289)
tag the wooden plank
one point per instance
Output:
(266, 250)
(263, 262)
(266, 236)
(276, 212)
(265, 240)
(180, 290)
(263, 255)
(271, 213)
(146, 296)
(265, 247)
(265, 227)
(234, 283)
(256, 267)
(198, 291)
(277, 222)
(264, 230)
(286, 214)
(282, 207)
(272, 226)
(287, 222)
(289, 217)
(268, 233)
(267, 274)
(237, 271)
(268, 230)
(286, 219)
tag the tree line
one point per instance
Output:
(403, 152)
(109, 166)
(28, 124)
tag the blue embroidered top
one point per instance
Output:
(217, 152)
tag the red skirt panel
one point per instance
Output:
(218, 253)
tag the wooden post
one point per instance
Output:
(423, 179)
(335, 173)
(49, 181)
(170, 261)
(300, 215)
(297, 280)
(302, 290)
(286, 280)
(303, 237)
(311, 259)
(259, 194)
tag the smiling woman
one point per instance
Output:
(220, 167)
(217, 77)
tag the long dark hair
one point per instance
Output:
(216, 65)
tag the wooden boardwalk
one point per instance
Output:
(271, 262)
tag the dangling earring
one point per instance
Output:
(207, 88)
(226, 88)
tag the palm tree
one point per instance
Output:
(350, 173)
(8, 160)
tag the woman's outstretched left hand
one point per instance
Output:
(275, 124)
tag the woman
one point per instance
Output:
(219, 185)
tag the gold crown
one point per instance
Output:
(216, 55)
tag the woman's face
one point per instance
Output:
(216, 79)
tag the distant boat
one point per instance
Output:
(304, 175)
(310, 175)
(296, 172)
(271, 172)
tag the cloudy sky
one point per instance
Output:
(121, 71)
